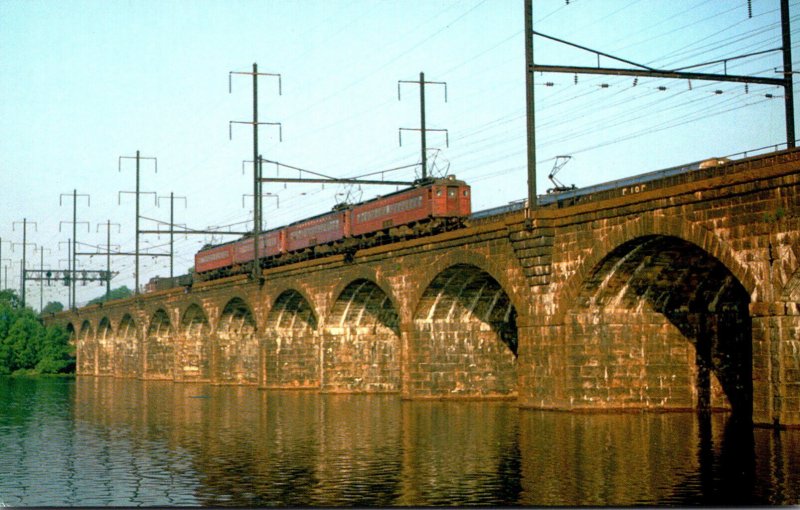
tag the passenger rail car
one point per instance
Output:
(619, 187)
(432, 206)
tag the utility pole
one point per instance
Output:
(256, 157)
(422, 129)
(138, 158)
(69, 272)
(1, 261)
(24, 247)
(74, 222)
(41, 280)
(108, 253)
(172, 198)
(788, 75)
(530, 110)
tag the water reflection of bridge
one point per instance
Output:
(682, 295)
(250, 448)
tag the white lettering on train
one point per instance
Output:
(634, 189)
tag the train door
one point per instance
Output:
(452, 201)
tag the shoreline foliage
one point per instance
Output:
(26, 345)
(118, 293)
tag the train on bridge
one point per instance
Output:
(429, 207)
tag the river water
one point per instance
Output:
(104, 441)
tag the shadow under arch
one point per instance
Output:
(465, 336)
(159, 350)
(469, 258)
(361, 341)
(127, 348)
(659, 322)
(104, 355)
(86, 346)
(235, 356)
(86, 329)
(193, 353)
(361, 273)
(290, 343)
(650, 225)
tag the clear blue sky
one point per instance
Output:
(85, 82)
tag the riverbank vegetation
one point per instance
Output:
(26, 345)
(118, 293)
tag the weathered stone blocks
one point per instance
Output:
(684, 295)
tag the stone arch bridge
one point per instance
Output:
(680, 294)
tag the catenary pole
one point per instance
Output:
(41, 281)
(136, 250)
(256, 176)
(108, 259)
(24, 246)
(74, 240)
(529, 105)
(422, 124)
(788, 75)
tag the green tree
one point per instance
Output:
(52, 307)
(56, 355)
(118, 293)
(26, 344)
(25, 338)
(10, 297)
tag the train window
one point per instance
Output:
(438, 192)
(451, 193)
(466, 192)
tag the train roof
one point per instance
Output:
(450, 180)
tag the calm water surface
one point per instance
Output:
(103, 441)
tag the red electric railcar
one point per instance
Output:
(269, 245)
(323, 229)
(444, 198)
(437, 199)
(215, 257)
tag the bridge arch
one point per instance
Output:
(105, 348)
(127, 348)
(503, 273)
(159, 348)
(87, 346)
(86, 330)
(362, 273)
(193, 356)
(361, 340)
(465, 336)
(659, 322)
(291, 340)
(235, 356)
(651, 225)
